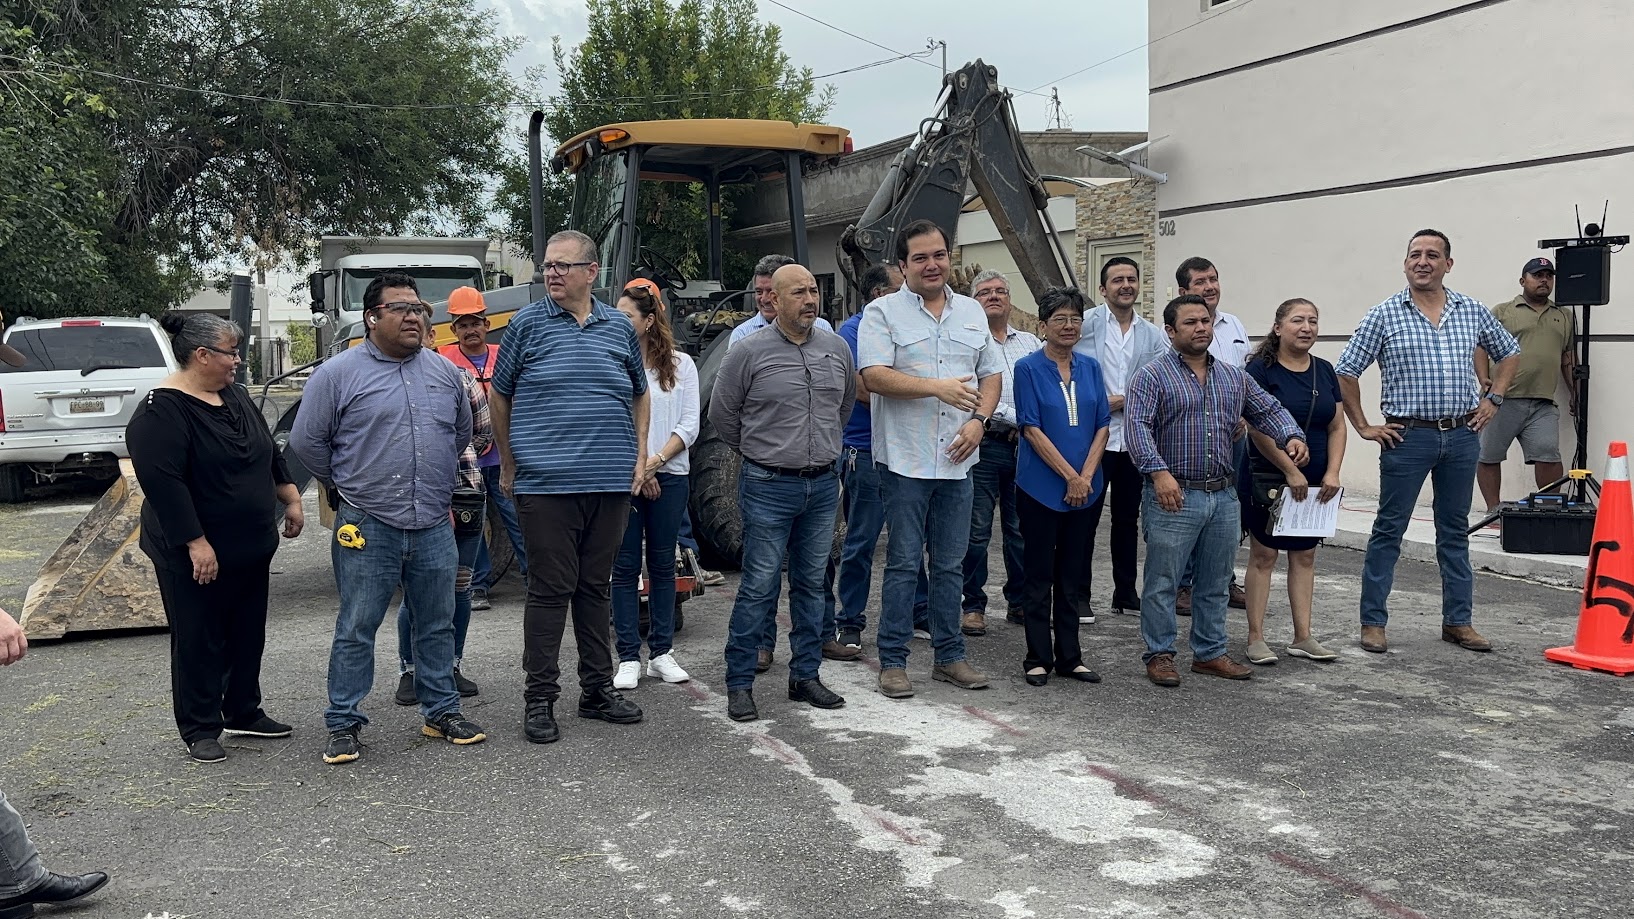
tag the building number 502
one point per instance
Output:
(1166, 228)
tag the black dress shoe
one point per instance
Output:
(540, 723)
(1129, 604)
(740, 705)
(1083, 676)
(1037, 679)
(814, 692)
(605, 703)
(57, 888)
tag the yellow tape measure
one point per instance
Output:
(350, 536)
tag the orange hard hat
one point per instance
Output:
(466, 301)
(649, 284)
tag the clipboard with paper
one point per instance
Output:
(1310, 517)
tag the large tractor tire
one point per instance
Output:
(714, 500)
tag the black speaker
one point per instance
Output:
(1583, 276)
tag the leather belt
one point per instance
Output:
(1007, 436)
(1439, 424)
(805, 472)
(1219, 484)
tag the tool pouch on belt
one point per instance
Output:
(468, 505)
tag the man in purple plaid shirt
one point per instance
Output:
(1180, 412)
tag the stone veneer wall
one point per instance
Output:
(1116, 210)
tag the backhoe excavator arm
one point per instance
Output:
(971, 137)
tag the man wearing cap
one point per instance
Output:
(471, 352)
(1528, 411)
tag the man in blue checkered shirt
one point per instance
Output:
(1423, 340)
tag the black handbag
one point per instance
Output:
(1266, 485)
(468, 505)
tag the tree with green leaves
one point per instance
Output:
(142, 141)
(646, 60)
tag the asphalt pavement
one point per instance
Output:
(1427, 782)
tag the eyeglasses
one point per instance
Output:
(1064, 321)
(563, 267)
(404, 307)
(999, 291)
(232, 354)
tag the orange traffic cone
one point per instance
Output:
(1605, 622)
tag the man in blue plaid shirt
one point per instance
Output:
(1424, 339)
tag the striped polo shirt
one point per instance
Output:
(571, 390)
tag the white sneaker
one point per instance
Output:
(665, 668)
(921, 634)
(628, 676)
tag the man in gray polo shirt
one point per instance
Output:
(781, 398)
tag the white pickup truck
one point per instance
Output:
(63, 411)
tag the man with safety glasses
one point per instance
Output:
(383, 424)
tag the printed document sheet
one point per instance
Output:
(1310, 517)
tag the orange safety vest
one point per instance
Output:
(483, 376)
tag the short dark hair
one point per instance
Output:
(915, 230)
(1115, 261)
(874, 278)
(768, 265)
(1055, 299)
(1172, 311)
(383, 280)
(1197, 264)
(1445, 242)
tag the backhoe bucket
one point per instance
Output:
(99, 578)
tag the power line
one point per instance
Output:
(450, 106)
(1228, 10)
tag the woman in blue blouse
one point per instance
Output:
(1062, 409)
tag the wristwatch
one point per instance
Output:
(1494, 398)
(978, 416)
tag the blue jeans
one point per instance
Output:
(1449, 459)
(1239, 456)
(655, 521)
(994, 481)
(465, 547)
(864, 521)
(684, 537)
(484, 572)
(1205, 532)
(925, 515)
(422, 562)
(781, 514)
(20, 868)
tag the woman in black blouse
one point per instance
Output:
(213, 483)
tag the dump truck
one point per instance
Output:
(346, 265)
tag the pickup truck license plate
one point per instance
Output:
(85, 406)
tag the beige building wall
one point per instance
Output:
(1307, 141)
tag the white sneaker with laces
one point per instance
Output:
(665, 668)
(628, 675)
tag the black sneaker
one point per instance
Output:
(343, 746)
(260, 727)
(607, 704)
(539, 725)
(454, 728)
(479, 600)
(405, 689)
(851, 638)
(206, 750)
(465, 686)
(1015, 616)
(814, 692)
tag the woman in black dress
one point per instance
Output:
(213, 483)
(1308, 388)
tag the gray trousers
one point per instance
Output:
(20, 868)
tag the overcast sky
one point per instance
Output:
(1033, 43)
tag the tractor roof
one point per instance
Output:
(688, 150)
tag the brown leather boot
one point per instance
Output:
(960, 674)
(1465, 636)
(1373, 639)
(973, 623)
(893, 683)
(1182, 602)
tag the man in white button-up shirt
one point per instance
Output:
(934, 372)
(1123, 343)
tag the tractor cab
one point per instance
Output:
(611, 164)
